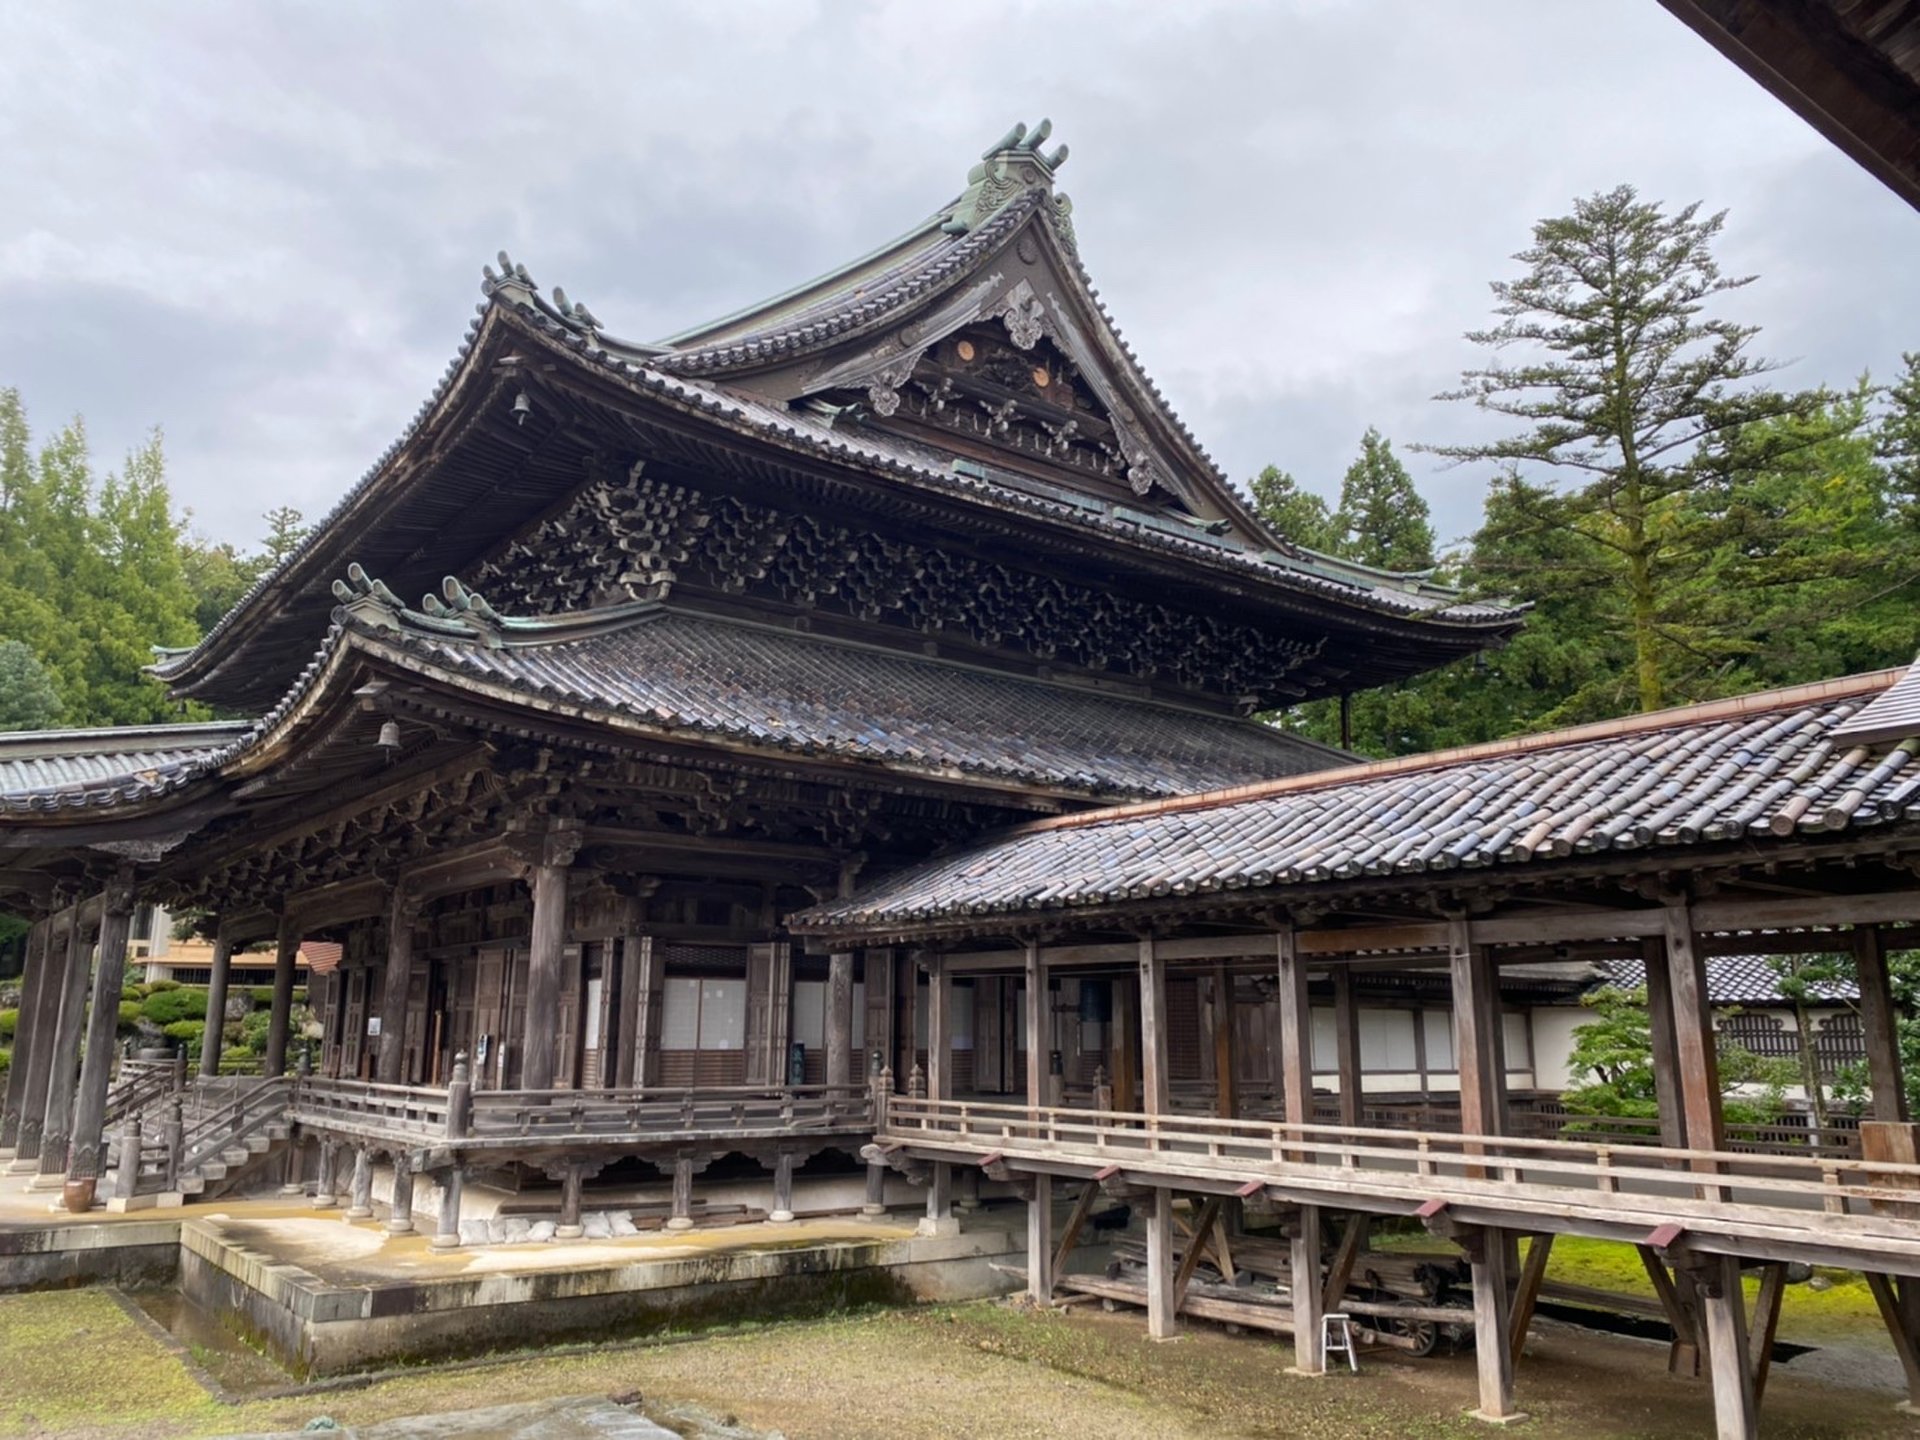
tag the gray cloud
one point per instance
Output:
(261, 226)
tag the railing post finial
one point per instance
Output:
(916, 1082)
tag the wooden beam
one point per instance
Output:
(1766, 1324)
(939, 1031)
(1076, 1222)
(1040, 1241)
(1353, 1240)
(1196, 1246)
(1698, 1065)
(1226, 1078)
(1532, 1275)
(1493, 1354)
(1666, 1060)
(1895, 1314)
(1039, 1040)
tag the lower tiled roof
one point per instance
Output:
(1740, 980)
(61, 769)
(700, 676)
(1765, 765)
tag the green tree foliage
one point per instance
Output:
(1621, 379)
(90, 569)
(1383, 521)
(1897, 440)
(1612, 1054)
(28, 700)
(1298, 514)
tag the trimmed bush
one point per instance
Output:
(238, 1060)
(156, 986)
(253, 1030)
(180, 1003)
(129, 1014)
(9, 1022)
(262, 994)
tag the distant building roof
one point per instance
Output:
(1737, 980)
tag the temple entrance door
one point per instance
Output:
(490, 1016)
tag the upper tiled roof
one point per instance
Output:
(1764, 765)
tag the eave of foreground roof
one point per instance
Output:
(1758, 768)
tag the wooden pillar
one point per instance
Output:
(1124, 1071)
(1879, 1019)
(571, 1180)
(326, 1179)
(63, 1071)
(1346, 1034)
(43, 1020)
(446, 1231)
(1694, 1053)
(782, 1212)
(213, 1037)
(627, 1031)
(681, 1217)
(1666, 1060)
(1040, 1240)
(1303, 1243)
(400, 1213)
(390, 1068)
(1156, 1095)
(360, 1188)
(1160, 1296)
(546, 952)
(939, 1030)
(840, 1018)
(280, 1019)
(24, 1036)
(1039, 1032)
(1724, 1306)
(1526, 1295)
(1296, 1031)
(89, 1149)
(1493, 1353)
(649, 996)
(1477, 1047)
(1226, 1070)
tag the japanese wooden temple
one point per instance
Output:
(831, 730)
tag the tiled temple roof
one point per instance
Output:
(1761, 766)
(675, 674)
(706, 678)
(1738, 980)
(65, 769)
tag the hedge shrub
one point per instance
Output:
(9, 1022)
(177, 1004)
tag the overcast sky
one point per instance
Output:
(261, 226)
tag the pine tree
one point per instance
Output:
(1897, 438)
(286, 528)
(1622, 378)
(1382, 520)
(1298, 514)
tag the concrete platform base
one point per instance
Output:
(53, 1255)
(325, 1298)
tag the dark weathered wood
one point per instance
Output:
(273, 1059)
(1673, 1117)
(1190, 1256)
(1039, 1041)
(1125, 1071)
(1076, 1222)
(1698, 1068)
(1527, 1294)
(546, 947)
(1353, 1240)
(1766, 1324)
(1346, 1039)
(939, 1032)
(213, 1034)
(1895, 1315)
(1879, 1021)
(1226, 1064)
(1156, 1088)
(86, 1160)
(1040, 1241)
(392, 1051)
(839, 1017)
(1296, 1033)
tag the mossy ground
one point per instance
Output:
(75, 1365)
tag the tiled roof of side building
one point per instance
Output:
(96, 765)
(1759, 766)
(1740, 980)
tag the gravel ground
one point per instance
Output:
(933, 1373)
